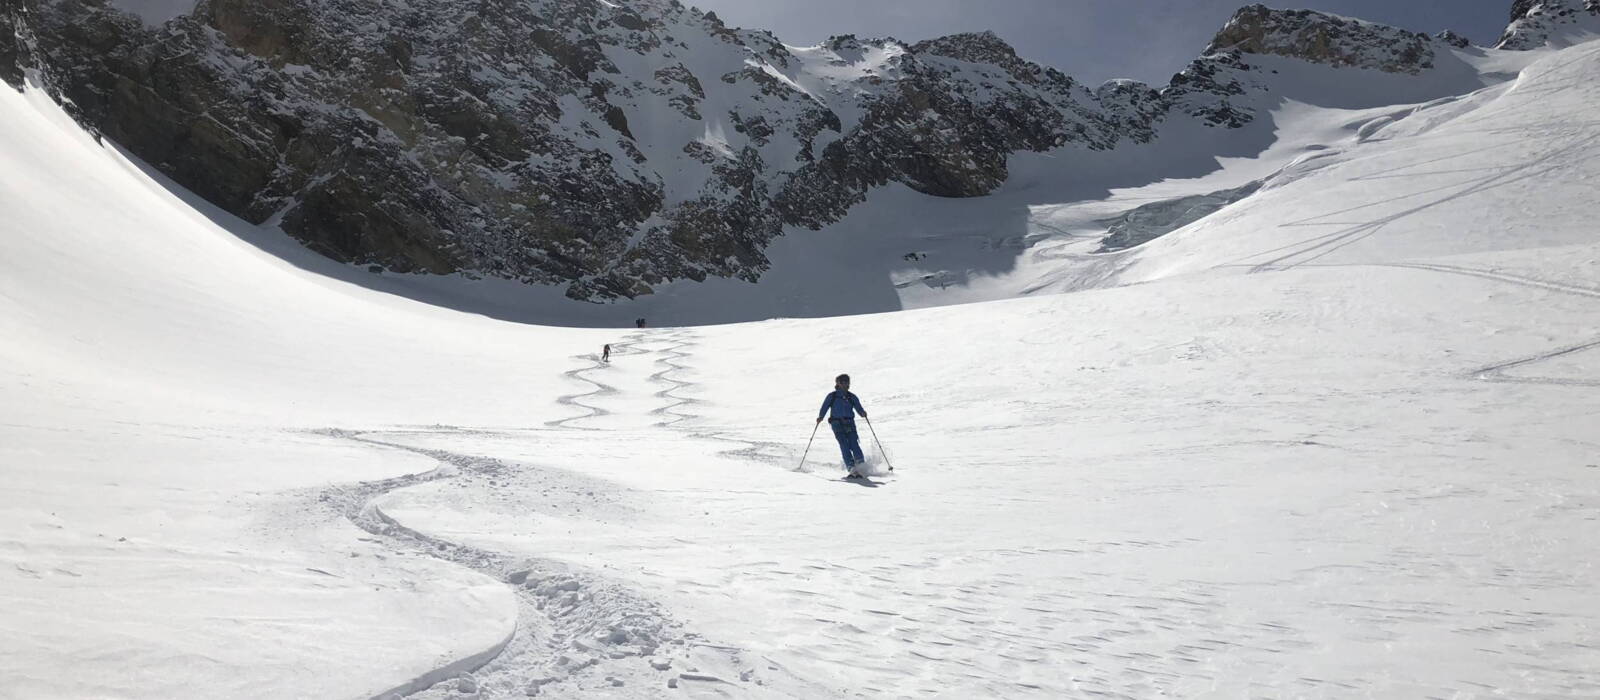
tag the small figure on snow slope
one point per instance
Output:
(605, 354)
(844, 405)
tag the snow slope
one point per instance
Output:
(1511, 154)
(1367, 470)
(155, 388)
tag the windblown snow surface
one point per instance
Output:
(1337, 439)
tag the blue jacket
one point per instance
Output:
(841, 402)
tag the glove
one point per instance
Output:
(819, 421)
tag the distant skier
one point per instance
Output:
(844, 406)
(605, 354)
(639, 322)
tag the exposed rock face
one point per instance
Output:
(607, 146)
(1326, 39)
(958, 106)
(1215, 89)
(403, 139)
(12, 55)
(1131, 105)
(1536, 23)
(1451, 38)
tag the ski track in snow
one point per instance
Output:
(767, 452)
(562, 608)
(681, 340)
(560, 605)
(1496, 372)
(1502, 277)
(600, 389)
(1317, 247)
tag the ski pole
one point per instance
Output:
(880, 443)
(808, 446)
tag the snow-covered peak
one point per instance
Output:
(847, 43)
(1452, 38)
(1538, 23)
(987, 48)
(1130, 102)
(1324, 38)
(1119, 91)
(974, 47)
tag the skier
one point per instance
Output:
(843, 421)
(605, 354)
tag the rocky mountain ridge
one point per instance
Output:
(610, 147)
(1535, 23)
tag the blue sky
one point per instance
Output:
(1092, 40)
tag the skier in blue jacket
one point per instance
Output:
(844, 406)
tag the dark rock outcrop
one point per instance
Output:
(1213, 90)
(1451, 38)
(1536, 23)
(1326, 39)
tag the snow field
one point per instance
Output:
(1511, 156)
(1213, 502)
(1288, 460)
